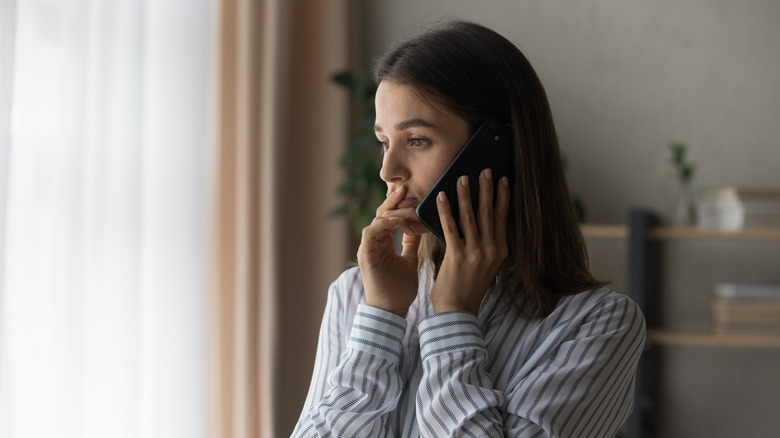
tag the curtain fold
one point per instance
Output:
(106, 219)
(283, 127)
(7, 38)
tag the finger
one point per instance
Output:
(378, 229)
(386, 225)
(391, 203)
(467, 220)
(448, 226)
(405, 213)
(411, 221)
(410, 244)
(411, 227)
(376, 242)
(501, 213)
(485, 221)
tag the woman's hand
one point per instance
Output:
(390, 279)
(471, 263)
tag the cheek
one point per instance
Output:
(430, 175)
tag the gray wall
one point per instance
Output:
(624, 79)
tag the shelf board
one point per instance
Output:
(698, 233)
(605, 231)
(672, 233)
(663, 337)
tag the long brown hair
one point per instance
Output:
(481, 76)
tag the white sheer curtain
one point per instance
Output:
(105, 193)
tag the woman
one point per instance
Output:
(500, 332)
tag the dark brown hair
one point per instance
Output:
(481, 76)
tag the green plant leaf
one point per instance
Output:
(344, 78)
(361, 189)
(678, 157)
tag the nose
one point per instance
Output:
(395, 168)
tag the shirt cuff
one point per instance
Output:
(378, 332)
(449, 332)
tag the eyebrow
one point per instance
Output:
(406, 124)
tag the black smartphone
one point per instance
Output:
(491, 147)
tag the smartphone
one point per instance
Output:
(491, 147)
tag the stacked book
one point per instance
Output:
(746, 308)
(732, 208)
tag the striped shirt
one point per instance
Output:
(497, 374)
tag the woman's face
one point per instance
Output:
(419, 140)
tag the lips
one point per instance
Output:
(408, 202)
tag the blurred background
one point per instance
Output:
(169, 170)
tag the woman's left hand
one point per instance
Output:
(471, 263)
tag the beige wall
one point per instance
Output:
(624, 78)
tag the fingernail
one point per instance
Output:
(442, 197)
(488, 174)
(397, 189)
(464, 180)
(505, 181)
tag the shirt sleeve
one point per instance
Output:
(585, 386)
(456, 395)
(355, 386)
(582, 387)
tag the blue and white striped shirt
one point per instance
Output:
(376, 374)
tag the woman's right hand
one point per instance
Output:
(390, 279)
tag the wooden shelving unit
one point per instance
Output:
(669, 338)
(663, 337)
(644, 238)
(753, 234)
(605, 231)
(673, 233)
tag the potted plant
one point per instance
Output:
(684, 170)
(361, 190)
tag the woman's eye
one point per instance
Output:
(418, 142)
(383, 145)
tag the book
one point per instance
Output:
(748, 290)
(746, 308)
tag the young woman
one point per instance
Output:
(500, 332)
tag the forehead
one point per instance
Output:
(396, 103)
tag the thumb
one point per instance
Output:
(410, 245)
